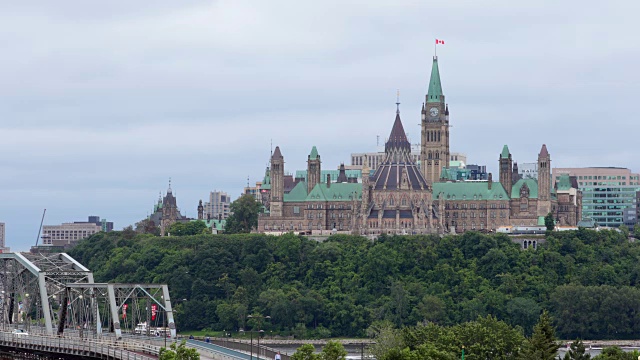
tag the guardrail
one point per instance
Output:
(262, 352)
(216, 353)
(117, 349)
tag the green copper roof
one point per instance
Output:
(302, 174)
(531, 183)
(435, 88)
(297, 194)
(314, 153)
(540, 220)
(266, 182)
(470, 190)
(215, 223)
(335, 192)
(564, 182)
(505, 152)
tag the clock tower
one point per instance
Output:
(434, 151)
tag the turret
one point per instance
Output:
(506, 170)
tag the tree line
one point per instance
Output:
(340, 287)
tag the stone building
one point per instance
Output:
(485, 206)
(404, 197)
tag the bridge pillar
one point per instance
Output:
(168, 311)
(44, 300)
(114, 311)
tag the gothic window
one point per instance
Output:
(391, 201)
(404, 201)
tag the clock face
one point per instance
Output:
(433, 111)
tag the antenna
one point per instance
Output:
(377, 140)
(271, 147)
(40, 229)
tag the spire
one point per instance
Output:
(398, 138)
(314, 153)
(543, 151)
(169, 189)
(398, 102)
(505, 152)
(276, 153)
(435, 88)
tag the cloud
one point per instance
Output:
(102, 103)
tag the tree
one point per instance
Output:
(636, 231)
(624, 229)
(305, 352)
(549, 222)
(244, 215)
(577, 351)
(178, 352)
(188, 228)
(334, 350)
(147, 226)
(543, 344)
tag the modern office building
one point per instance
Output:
(528, 170)
(253, 190)
(103, 223)
(218, 206)
(67, 233)
(3, 248)
(609, 194)
(374, 159)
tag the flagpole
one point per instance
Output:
(435, 49)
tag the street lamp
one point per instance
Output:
(260, 319)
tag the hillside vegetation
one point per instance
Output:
(586, 280)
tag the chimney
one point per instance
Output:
(489, 181)
(328, 181)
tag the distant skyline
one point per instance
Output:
(100, 104)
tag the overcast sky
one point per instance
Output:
(102, 102)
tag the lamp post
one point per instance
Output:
(260, 319)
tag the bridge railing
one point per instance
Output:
(116, 348)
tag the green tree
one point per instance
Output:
(305, 352)
(615, 353)
(624, 229)
(188, 228)
(577, 351)
(542, 345)
(549, 222)
(178, 352)
(244, 215)
(636, 231)
(333, 350)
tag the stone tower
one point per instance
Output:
(169, 211)
(366, 187)
(544, 181)
(506, 170)
(434, 152)
(277, 183)
(200, 211)
(516, 176)
(313, 169)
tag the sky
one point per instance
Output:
(102, 102)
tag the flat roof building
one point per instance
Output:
(608, 193)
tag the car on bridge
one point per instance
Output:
(19, 332)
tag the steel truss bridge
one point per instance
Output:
(54, 295)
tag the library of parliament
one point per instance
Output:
(402, 196)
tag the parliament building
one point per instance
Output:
(404, 196)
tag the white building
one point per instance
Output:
(218, 206)
(528, 170)
(60, 235)
(3, 248)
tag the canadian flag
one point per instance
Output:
(439, 42)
